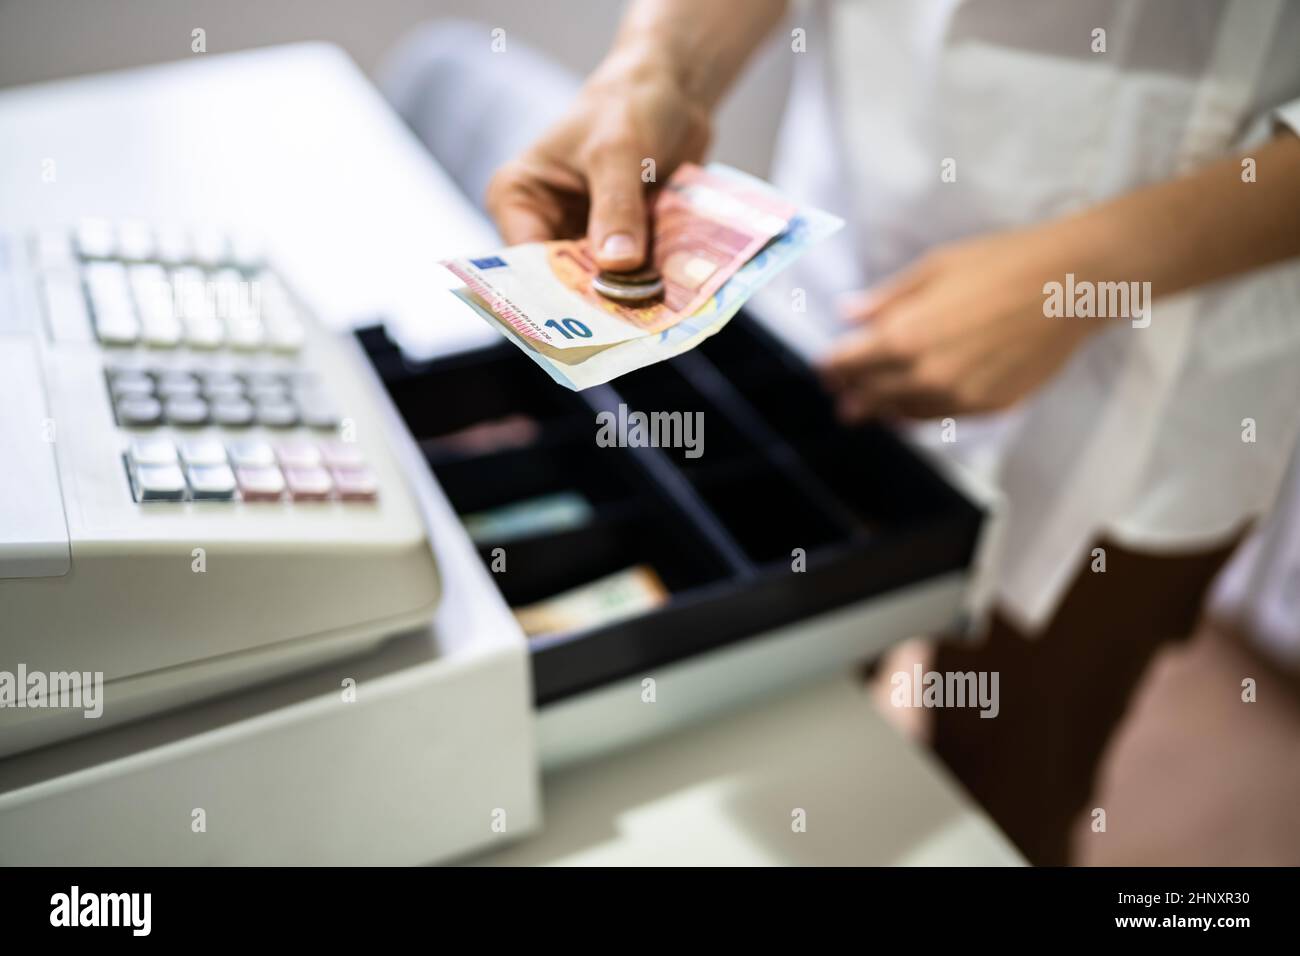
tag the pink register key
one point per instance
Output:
(308, 484)
(340, 454)
(298, 454)
(356, 484)
(260, 484)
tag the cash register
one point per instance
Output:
(196, 494)
(284, 543)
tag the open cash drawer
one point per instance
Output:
(777, 473)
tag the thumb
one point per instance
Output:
(617, 227)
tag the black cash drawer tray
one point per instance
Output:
(778, 473)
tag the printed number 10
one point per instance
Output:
(570, 328)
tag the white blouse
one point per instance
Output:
(1141, 435)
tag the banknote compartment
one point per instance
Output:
(895, 498)
(634, 521)
(752, 355)
(439, 398)
(784, 393)
(767, 512)
(482, 482)
(621, 536)
(792, 405)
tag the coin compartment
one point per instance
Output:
(867, 513)
(663, 390)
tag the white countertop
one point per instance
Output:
(724, 793)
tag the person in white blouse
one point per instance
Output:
(997, 160)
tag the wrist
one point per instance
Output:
(698, 48)
(652, 59)
(1096, 248)
(1120, 241)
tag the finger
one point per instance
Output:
(861, 352)
(853, 406)
(869, 303)
(617, 227)
(898, 337)
(916, 405)
(864, 403)
(856, 398)
(853, 397)
(519, 222)
(908, 389)
(516, 200)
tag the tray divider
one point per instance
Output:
(706, 377)
(674, 484)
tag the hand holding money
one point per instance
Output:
(586, 176)
(650, 99)
(717, 236)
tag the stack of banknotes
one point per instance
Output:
(614, 597)
(718, 236)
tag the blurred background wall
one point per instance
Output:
(50, 39)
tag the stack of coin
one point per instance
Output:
(638, 285)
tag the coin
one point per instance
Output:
(646, 275)
(635, 286)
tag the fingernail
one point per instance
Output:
(853, 306)
(618, 245)
(846, 303)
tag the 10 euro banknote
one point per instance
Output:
(719, 235)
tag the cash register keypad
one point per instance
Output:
(203, 355)
(144, 396)
(208, 469)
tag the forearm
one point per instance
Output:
(1198, 228)
(701, 44)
